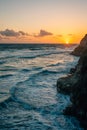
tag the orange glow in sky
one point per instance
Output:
(42, 21)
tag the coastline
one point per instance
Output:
(75, 85)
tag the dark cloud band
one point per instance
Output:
(43, 33)
(12, 33)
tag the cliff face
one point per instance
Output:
(75, 84)
(80, 49)
(78, 95)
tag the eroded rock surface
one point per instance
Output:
(75, 85)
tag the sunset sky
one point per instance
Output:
(42, 21)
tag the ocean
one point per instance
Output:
(28, 94)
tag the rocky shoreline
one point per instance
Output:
(75, 85)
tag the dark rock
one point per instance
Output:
(64, 84)
(79, 92)
(70, 110)
(77, 88)
(82, 46)
(72, 70)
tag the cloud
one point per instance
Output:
(23, 33)
(12, 33)
(43, 33)
(8, 33)
(70, 35)
(3, 37)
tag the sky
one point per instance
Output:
(42, 21)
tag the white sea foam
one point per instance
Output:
(29, 76)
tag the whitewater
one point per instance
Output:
(28, 94)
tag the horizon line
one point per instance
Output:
(34, 43)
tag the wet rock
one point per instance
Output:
(64, 85)
(76, 85)
(72, 70)
(79, 92)
(70, 110)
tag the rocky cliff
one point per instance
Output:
(75, 84)
(80, 49)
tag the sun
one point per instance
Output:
(67, 42)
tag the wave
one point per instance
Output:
(5, 100)
(37, 68)
(32, 46)
(20, 101)
(11, 98)
(26, 104)
(52, 65)
(5, 76)
(42, 55)
(42, 72)
(6, 57)
(2, 62)
(9, 69)
(25, 70)
(48, 72)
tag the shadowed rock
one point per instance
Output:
(75, 84)
(64, 84)
(82, 46)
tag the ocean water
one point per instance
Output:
(28, 95)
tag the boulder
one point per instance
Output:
(65, 84)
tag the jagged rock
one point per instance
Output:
(82, 46)
(77, 88)
(79, 92)
(72, 70)
(64, 84)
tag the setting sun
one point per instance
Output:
(67, 39)
(48, 21)
(67, 42)
(40, 48)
